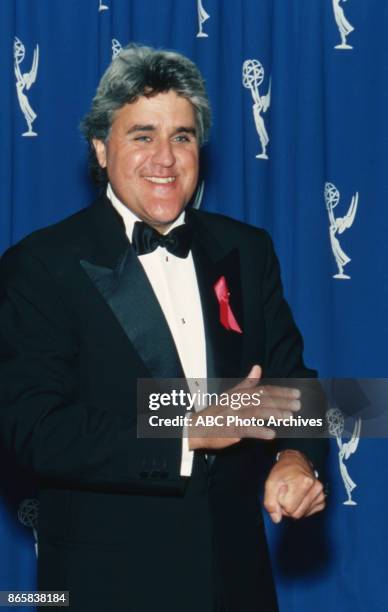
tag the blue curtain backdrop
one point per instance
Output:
(315, 88)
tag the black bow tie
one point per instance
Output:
(146, 239)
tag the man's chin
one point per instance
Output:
(163, 222)
(161, 227)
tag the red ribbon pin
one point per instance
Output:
(227, 318)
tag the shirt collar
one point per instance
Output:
(129, 217)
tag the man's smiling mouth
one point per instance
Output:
(160, 180)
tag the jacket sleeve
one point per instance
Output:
(284, 359)
(43, 421)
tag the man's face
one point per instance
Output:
(151, 157)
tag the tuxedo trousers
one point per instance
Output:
(161, 553)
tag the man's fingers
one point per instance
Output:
(297, 492)
(271, 502)
(251, 380)
(318, 504)
(249, 431)
(314, 497)
(282, 403)
(260, 433)
(317, 508)
(292, 486)
(265, 413)
(280, 392)
(257, 412)
(255, 372)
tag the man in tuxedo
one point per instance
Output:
(134, 287)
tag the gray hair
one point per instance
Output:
(143, 71)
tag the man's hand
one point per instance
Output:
(279, 402)
(292, 489)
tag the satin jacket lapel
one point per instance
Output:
(126, 289)
(223, 347)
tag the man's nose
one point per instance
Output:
(164, 154)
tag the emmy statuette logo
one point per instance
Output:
(344, 27)
(202, 17)
(24, 80)
(28, 513)
(116, 48)
(335, 422)
(252, 78)
(338, 225)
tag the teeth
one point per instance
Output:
(160, 180)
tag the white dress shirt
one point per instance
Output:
(175, 285)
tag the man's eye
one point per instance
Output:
(182, 138)
(143, 138)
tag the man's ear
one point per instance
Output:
(100, 149)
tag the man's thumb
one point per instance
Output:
(254, 374)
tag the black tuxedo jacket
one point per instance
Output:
(79, 325)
